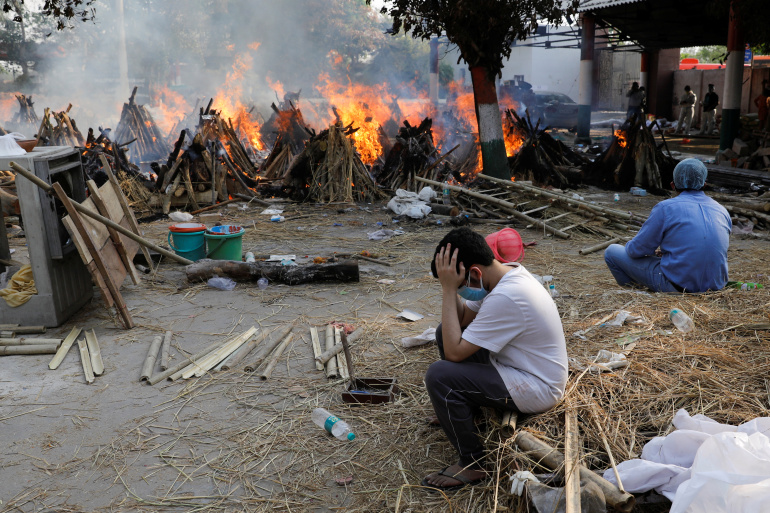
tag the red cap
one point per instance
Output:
(506, 244)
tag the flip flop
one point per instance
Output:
(464, 481)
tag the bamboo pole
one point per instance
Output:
(571, 462)
(242, 352)
(23, 330)
(316, 347)
(277, 335)
(93, 215)
(28, 350)
(508, 423)
(24, 341)
(609, 451)
(200, 368)
(329, 353)
(553, 459)
(96, 354)
(507, 205)
(164, 350)
(331, 365)
(351, 375)
(85, 360)
(342, 359)
(64, 348)
(268, 371)
(181, 365)
(599, 247)
(149, 361)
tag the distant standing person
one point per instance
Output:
(686, 110)
(635, 99)
(710, 102)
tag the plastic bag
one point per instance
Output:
(425, 337)
(180, 217)
(221, 283)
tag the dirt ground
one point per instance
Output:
(230, 442)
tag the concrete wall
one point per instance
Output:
(614, 74)
(663, 65)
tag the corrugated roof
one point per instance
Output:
(592, 5)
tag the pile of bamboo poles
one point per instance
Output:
(137, 125)
(332, 361)
(65, 133)
(219, 356)
(746, 208)
(89, 350)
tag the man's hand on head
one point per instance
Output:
(446, 269)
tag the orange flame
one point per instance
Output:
(621, 137)
(9, 106)
(227, 101)
(169, 108)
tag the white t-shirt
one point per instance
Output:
(520, 326)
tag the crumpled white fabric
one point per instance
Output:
(705, 466)
(605, 361)
(384, 234)
(412, 204)
(9, 147)
(421, 339)
(520, 479)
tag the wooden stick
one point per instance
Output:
(26, 350)
(599, 247)
(212, 207)
(23, 330)
(277, 334)
(112, 287)
(553, 459)
(329, 353)
(274, 357)
(341, 357)
(331, 364)
(164, 350)
(97, 366)
(198, 369)
(93, 215)
(609, 451)
(242, 352)
(85, 360)
(63, 348)
(149, 361)
(571, 462)
(348, 361)
(181, 365)
(316, 347)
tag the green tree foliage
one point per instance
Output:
(483, 30)
(62, 11)
(706, 54)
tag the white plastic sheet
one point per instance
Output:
(412, 204)
(705, 466)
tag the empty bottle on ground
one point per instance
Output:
(339, 428)
(681, 320)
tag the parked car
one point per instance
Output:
(554, 110)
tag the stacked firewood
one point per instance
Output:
(330, 170)
(633, 159)
(541, 159)
(413, 154)
(102, 146)
(65, 133)
(26, 114)
(287, 132)
(137, 127)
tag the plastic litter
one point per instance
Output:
(278, 219)
(425, 337)
(180, 217)
(221, 283)
(262, 283)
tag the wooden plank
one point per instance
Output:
(115, 237)
(63, 348)
(85, 236)
(537, 209)
(97, 366)
(85, 360)
(316, 347)
(127, 211)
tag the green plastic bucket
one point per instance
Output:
(186, 239)
(224, 242)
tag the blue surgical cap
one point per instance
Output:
(690, 174)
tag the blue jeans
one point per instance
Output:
(643, 271)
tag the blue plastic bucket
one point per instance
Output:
(224, 242)
(186, 239)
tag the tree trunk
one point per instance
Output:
(490, 123)
(345, 270)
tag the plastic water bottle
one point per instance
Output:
(445, 199)
(552, 290)
(616, 198)
(338, 428)
(250, 257)
(681, 320)
(262, 283)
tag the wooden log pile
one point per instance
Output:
(288, 133)
(102, 146)
(541, 159)
(413, 154)
(748, 211)
(633, 159)
(26, 114)
(64, 133)
(330, 170)
(137, 125)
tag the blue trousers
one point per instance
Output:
(644, 271)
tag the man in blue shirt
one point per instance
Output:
(682, 247)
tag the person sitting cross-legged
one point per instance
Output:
(503, 347)
(682, 247)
